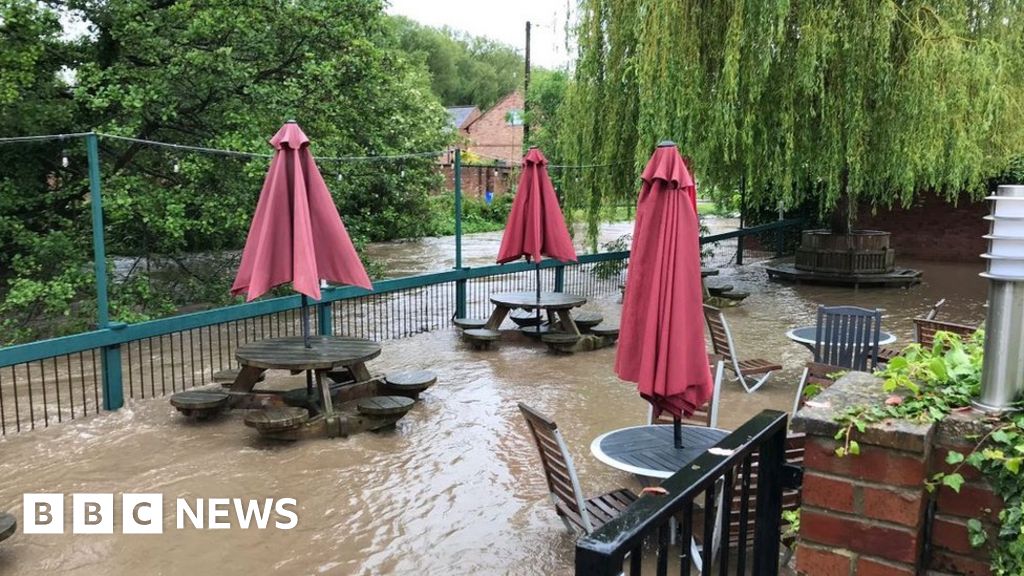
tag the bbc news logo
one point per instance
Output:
(94, 513)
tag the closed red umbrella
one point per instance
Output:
(296, 234)
(535, 226)
(661, 336)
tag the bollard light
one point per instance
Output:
(1002, 375)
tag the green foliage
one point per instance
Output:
(200, 74)
(791, 523)
(544, 100)
(927, 384)
(477, 216)
(465, 70)
(803, 102)
(612, 268)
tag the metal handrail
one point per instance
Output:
(603, 551)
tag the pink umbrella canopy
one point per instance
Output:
(661, 336)
(535, 226)
(296, 234)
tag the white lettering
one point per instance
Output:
(185, 510)
(279, 507)
(218, 508)
(253, 509)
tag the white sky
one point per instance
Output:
(499, 20)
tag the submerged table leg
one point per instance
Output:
(325, 394)
(568, 324)
(497, 317)
(359, 372)
(246, 379)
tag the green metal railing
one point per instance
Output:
(73, 376)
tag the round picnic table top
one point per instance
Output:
(650, 451)
(529, 300)
(324, 353)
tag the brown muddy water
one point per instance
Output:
(456, 488)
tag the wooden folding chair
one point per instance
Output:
(926, 329)
(722, 344)
(578, 513)
(814, 373)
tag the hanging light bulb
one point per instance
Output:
(64, 158)
(177, 167)
(402, 173)
(339, 176)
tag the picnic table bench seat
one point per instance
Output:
(7, 525)
(560, 341)
(277, 419)
(385, 405)
(481, 338)
(470, 323)
(586, 320)
(227, 376)
(524, 317)
(606, 329)
(409, 383)
(200, 404)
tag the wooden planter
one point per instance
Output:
(856, 252)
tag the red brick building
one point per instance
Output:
(497, 134)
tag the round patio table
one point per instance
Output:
(556, 304)
(290, 353)
(650, 451)
(808, 336)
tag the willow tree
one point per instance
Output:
(829, 102)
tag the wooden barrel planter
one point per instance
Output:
(855, 252)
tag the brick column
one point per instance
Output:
(952, 552)
(861, 515)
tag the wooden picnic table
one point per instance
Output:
(325, 353)
(555, 304)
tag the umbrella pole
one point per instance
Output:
(305, 322)
(537, 268)
(677, 432)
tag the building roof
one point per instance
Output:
(460, 114)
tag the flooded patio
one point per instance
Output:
(456, 488)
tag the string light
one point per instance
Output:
(177, 167)
(64, 158)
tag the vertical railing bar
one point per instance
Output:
(95, 382)
(685, 538)
(636, 557)
(56, 386)
(662, 567)
(31, 400)
(46, 407)
(152, 366)
(3, 413)
(723, 563)
(741, 552)
(192, 358)
(708, 548)
(81, 370)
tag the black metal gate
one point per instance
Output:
(724, 509)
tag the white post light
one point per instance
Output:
(1002, 376)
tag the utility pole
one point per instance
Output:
(526, 90)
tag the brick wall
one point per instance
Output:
(478, 179)
(952, 552)
(932, 229)
(492, 137)
(865, 515)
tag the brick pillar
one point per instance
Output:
(952, 552)
(861, 515)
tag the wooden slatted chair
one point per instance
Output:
(926, 330)
(706, 415)
(722, 344)
(887, 353)
(847, 336)
(578, 513)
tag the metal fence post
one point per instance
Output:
(768, 509)
(560, 278)
(113, 387)
(460, 285)
(324, 319)
(739, 240)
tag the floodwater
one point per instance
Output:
(455, 488)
